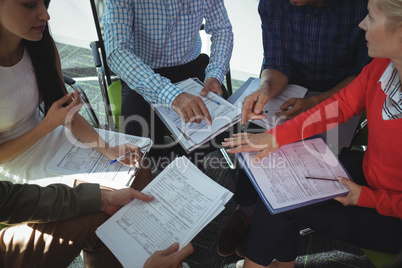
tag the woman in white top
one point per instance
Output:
(30, 74)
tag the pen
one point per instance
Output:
(123, 156)
(119, 158)
(217, 102)
(324, 179)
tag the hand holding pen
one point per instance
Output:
(120, 157)
(131, 157)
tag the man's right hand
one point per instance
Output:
(252, 106)
(272, 84)
(170, 257)
(191, 109)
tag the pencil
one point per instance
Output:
(324, 179)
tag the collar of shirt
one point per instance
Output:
(391, 85)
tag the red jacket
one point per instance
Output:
(382, 163)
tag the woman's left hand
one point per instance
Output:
(264, 143)
(352, 197)
(132, 159)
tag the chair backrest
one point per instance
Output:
(88, 107)
(112, 109)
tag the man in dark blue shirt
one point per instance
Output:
(316, 44)
(312, 43)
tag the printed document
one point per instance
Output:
(296, 175)
(271, 108)
(86, 164)
(192, 135)
(186, 200)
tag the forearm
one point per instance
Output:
(273, 82)
(32, 203)
(385, 202)
(325, 95)
(13, 148)
(83, 131)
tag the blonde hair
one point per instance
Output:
(392, 9)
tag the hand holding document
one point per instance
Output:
(296, 175)
(185, 201)
(193, 135)
(87, 165)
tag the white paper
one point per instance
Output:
(271, 108)
(281, 176)
(186, 200)
(77, 158)
(223, 115)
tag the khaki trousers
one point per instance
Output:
(55, 244)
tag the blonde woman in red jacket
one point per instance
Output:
(370, 215)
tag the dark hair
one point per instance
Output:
(43, 56)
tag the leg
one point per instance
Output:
(55, 244)
(359, 226)
(275, 236)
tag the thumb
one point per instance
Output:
(204, 91)
(344, 181)
(170, 250)
(262, 100)
(287, 104)
(63, 99)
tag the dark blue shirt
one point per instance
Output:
(316, 47)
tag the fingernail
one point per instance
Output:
(339, 178)
(255, 160)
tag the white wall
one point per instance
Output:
(247, 52)
(71, 22)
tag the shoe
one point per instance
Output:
(240, 264)
(232, 233)
(241, 248)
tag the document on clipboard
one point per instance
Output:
(193, 135)
(296, 175)
(88, 165)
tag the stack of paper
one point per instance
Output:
(186, 200)
(271, 108)
(193, 135)
(86, 164)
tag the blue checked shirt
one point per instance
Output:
(141, 35)
(314, 43)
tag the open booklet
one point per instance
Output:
(271, 108)
(192, 135)
(296, 175)
(186, 200)
(87, 165)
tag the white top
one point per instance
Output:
(19, 99)
(19, 112)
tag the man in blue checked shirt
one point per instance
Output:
(152, 44)
(313, 43)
